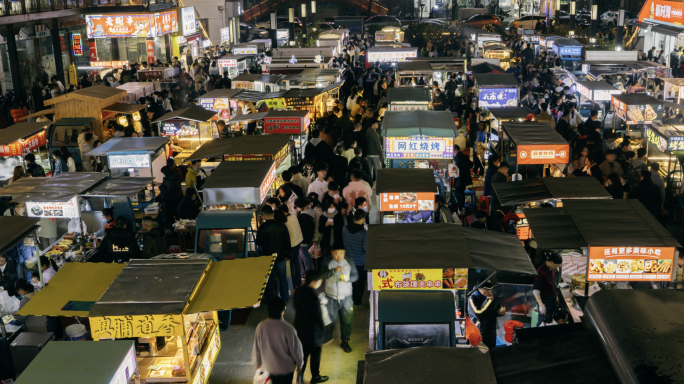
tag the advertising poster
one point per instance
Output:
(675, 143)
(390, 56)
(544, 154)
(227, 63)
(189, 22)
(498, 97)
(101, 26)
(66, 209)
(149, 45)
(407, 201)
(179, 128)
(225, 35)
(522, 227)
(268, 181)
(638, 114)
(419, 147)
(283, 125)
(215, 105)
(630, 263)
(384, 36)
(654, 138)
(166, 22)
(422, 279)
(407, 107)
(129, 161)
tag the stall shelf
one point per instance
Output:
(169, 306)
(135, 91)
(496, 90)
(248, 148)
(18, 140)
(404, 192)
(64, 362)
(257, 82)
(408, 99)
(418, 137)
(421, 259)
(137, 156)
(221, 102)
(408, 74)
(532, 143)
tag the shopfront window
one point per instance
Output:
(104, 49)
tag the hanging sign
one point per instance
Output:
(122, 327)
(543, 154)
(166, 22)
(189, 22)
(64, 209)
(225, 35)
(630, 263)
(76, 44)
(419, 147)
(268, 181)
(149, 45)
(420, 279)
(129, 161)
(108, 26)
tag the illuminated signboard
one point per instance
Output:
(107, 26)
(408, 107)
(292, 125)
(544, 154)
(225, 35)
(390, 56)
(637, 114)
(409, 201)
(129, 161)
(668, 12)
(189, 22)
(215, 105)
(166, 22)
(675, 143)
(77, 44)
(659, 141)
(498, 97)
(567, 51)
(630, 263)
(268, 181)
(109, 64)
(245, 50)
(228, 63)
(423, 279)
(419, 147)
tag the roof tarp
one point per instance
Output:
(44, 197)
(553, 228)
(248, 117)
(193, 113)
(221, 94)
(394, 180)
(65, 362)
(427, 123)
(408, 95)
(509, 113)
(236, 182)
(637, 99)
(485, 67)
(121, 145)
(23, 185)
(546, 188)
(597, 85)
(429, 365)
(494, 79)
(72, 182)
(332, 87)
(640, 333)
(487, 251)
(14, 230)
(225, 219)
(73, 121)
(570, 358)
(124, 108)
(255, 96)
(73, 282)
(242, 145)
(409, 67)
(122, 186)
(302, 93)
(245, 279)
(15, 132)
(523, 191)
(567, 42)
(532, 133)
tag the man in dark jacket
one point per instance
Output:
(483, 309)
(318, 149)
(171, 194)
(464, 179)
(442, 214)
(287, 180)
(339, 167)
(310, 326)
(563, 126)
(8, 274)
(153, 239)
(118, 246)
(189, 207)
(32, 168)
(354, 236)
(274, 238)
(528, 54)
(648, 194)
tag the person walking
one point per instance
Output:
(354, 236)
(464, 178)
(283, 215)
(544, 288)
(32, 168)
(277, 349)
(310, 326)
(483, 309)
(339, 272)
(274, 238)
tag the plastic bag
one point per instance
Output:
(261, 377)
(472, 333)
(315, 250)
(5, 303)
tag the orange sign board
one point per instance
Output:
(407, 201)
(630, 263)
(671, 12)
(522, 228)
(107, 26)
(544, 154)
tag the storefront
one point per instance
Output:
(408, 99)
(388, 55)
(496, 90)
(234, 64)
(135, 156)
(220, 101)
(407, 195)
(661, 26)
(18, 140)
(417, 138)
(532, 143)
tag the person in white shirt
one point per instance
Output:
(48, 267)
(575, 117)
(166, 101)
(319, 186)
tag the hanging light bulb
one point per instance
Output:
(123, 121)
(136, 116)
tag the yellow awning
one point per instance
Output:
(73, 282)
(232, 284)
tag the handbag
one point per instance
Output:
(261, 377)
(453, 170)
(315, 250)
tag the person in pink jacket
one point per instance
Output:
(357, 188)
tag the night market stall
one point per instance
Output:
(257, 82)
(168, 306)
(593, 94)
(65, 132)
(233, 64)
(312, 78)
(417, 138)
(407, 195)
(248, 148)
(136, 91)
(636, 110)
(664, 145)
(414, 74)
(419, 283)
(18, 140)
(496, 90)
(220, 101)
(388, 55)
(408, 99)
(134, 156)
(532, 143)
(389, 34)
(569, 50)
(496, 50)
(188, 128)
(496, 117)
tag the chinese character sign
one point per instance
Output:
(77, 44)
(544, 154)
(657, 140)
(498, 97)
(129, 161)
(409, 201)
(567, 51)
(420, 279)
(189, 23)
(246, 50)
(419, 147)
(641, 114)
(166, 22)
(266, 184)
(119, 327)
(391, 56)
(283, 125)
(225, 35)
(675, 143)
(670, 12)
(64, 209)
(630, 263)
(108, 26)
(408, 107)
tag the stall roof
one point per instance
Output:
(553, 228)
(255, 96)
(101, 92)
(84, 282)
(264, 78)
(427, 123)
(16, 132)
(333, 87)
(235, 218)
(485, 251)
(221, 94)
(414, 67)
(124, 145)
(495, 79)
(44, 197)
(415, 306)
(395, 180)
(122, 186)
(193, 113)
(597, 85)
(298, 93)
(484, 68)
(639, 330)
(243, 145)
(73, 182)
(526, 191)
(23, 185)
(408, 95)
(247, 117)
(68, 121)
(565, 42)
(237, 182)
(637, 99)
(532, 133)
(429, 365)
(65, 362)
(14, 230)
(124, 108)
(509, 113)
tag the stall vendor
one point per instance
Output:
(108, 218)
(483, 309)
(545, 290)
(119, 246)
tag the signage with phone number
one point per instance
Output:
(630, 263)
(409, 201)
(420, 279)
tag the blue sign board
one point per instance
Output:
(675, 143)
(567, 51)
(498, 97)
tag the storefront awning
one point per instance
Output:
(553, 228)
(121, 145)
(193, 113)
(243, 145)
(509, 113)
(121, 186)
(333, 87)
(302, 93)
(247, 117)
(532, 133)
(408, 95)
(238, 182)
(667, 30)
(14, 230)
(485, 251)
(426, 123)
(546, 188)
(255, 96)
(16, 132)
(394, 180)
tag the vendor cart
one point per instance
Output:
(419, 139)
(189, 128)
(496, 90)
(125, 114)
(220, 101)
(169, 307)
(389, 34)
(18, 140)
(496, 117)
(414, 74)
(135, 156)
(496, 50)
(595, 94)
(64, 362)
(233, 64)
(530, 144)
(248, 148)
(136, 91)
(569, 50)
(664, 145)
(407, 195)
(408, 99)
(634, 111)
(389, 55)
(258, 82)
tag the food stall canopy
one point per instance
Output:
(429, 365)
(415, 307)
(407, 95)
(45, 197)
(23, 185)
(546, 188)
(16, 132)
(426, 123)
(414, 67)
(334, 86)
(124, 108)
(510, 113)
(239, 182)
(320, 74)
(121, 186)
(484, 68)
(495, 79)
(532, 133)
(302, 93)
(74, 282)
(225, 219)
(638, 330)
(247, 117)
(94, 92)
(65, 362)
(15, 229)
(221, 94)
(64, 183)
(395, 180)
(485, 251)
(243, 145)
(572, 357)
(264, 78)
(193, 113)
(255, 96)
(126, 145)
(597, 222)
(638, 99)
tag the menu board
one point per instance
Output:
(544, 154)
(675, 143)
(522, 227)
(638, 114)
(407, 201)
(293, 125)
(408, 107)
(420, 279)
(654, 138)
(498, 97)
(61, 210)
(179, 128)
(215, 105)
(389, 56)
(129, 161)
(419, 147)
(630, 263)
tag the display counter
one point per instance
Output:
(636, 110)
(135, 156)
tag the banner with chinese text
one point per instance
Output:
(630, 263)
(120, 327)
